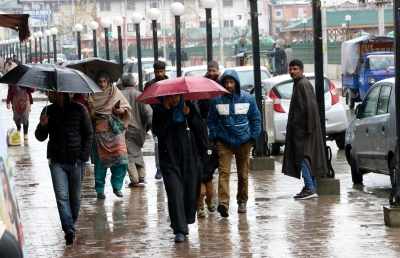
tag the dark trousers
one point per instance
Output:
(67, 188)
(182, 192)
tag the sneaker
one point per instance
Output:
(69, 237)
(211, 208)
(179, 238)
(118, 193)
(132, 184)
(201, 213)
(301, 193)
(25, 137)
(306, 194)
(101, 196)
(141, 181)
(158, 175)
(242, 207)
(223, 211)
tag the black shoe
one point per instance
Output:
(118, 193)
(101, 196)
(306, 194)
(69, 237)
(141, 181)
(158, 175)
(179, 238)
(223, 211)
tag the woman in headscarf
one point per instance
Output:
(182, 141)
(110, 114)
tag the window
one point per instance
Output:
(300, 13)
(227, 3)
(131, 5)
(285, 89)
(370, 103)
(155, 4)
(383, 102)
(105, 5)
(130, 27)
(228, 23)
(202, 24)
(278, 13)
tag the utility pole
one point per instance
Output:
(221, 35)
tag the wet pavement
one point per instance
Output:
(349, 225)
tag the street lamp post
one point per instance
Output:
(136, 19)
(154, 14)
(105, 23)
(304, 21)
(35, 36)
(40, 35)
(94, 25)
(47, 33)
(54, 32)
(208, 5)
(177, 10)
(78, 29)
(119, 21)
(30, 50)
(26, 51)
(20, 51)
(348, 20)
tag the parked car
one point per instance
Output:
(246, 76)
(280, 89)
(11, 236)
(131, 65)
(371, 136)
(149, 73)
(197, 70)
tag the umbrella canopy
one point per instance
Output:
(18, 22)
(192, 88)
(50, 77)
(91, 66)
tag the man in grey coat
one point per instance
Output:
(139, 124)
(304, 148)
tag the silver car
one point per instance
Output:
(371, 137)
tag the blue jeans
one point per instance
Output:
(309, 181)
(67, 189)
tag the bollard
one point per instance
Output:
(391, 216)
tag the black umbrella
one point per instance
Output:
(91, 66)
(50, 77)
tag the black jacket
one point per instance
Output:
(70, 133)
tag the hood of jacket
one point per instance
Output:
(233, 75)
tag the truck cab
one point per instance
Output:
(365, 60)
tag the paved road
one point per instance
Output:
(349, 225)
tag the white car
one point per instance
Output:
(131, 65)
(246, 77)
(280, 89)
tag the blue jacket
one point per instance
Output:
(234, 119)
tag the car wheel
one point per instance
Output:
(275, 149)
(340, 140)
(356, 174)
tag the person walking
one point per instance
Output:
(182, 139)
(110, 114)
(304, 146)
(138, 126)
(234, 123)
(210, 159)
(20, 100)
(159, 75)
(67, 125)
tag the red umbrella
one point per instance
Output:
(191, 88)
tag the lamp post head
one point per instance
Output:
(348, 17)
(344, 25)
(208, 4)
(39, 34)
(136, 18)
(47, 32)
(105, 23)
(177, 9)
(304, 21)
(93, 25)
(154, 14)
(54, 31)
(78, 27)
(118, 21)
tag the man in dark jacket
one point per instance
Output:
(68, 126)
(210, 159)
(159, 75)
(304, 148)
(234, 123)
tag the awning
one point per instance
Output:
(18, 22)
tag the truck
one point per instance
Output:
(365, 60)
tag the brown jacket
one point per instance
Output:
(303, 133)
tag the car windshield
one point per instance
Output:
(133, 67)
(381, 62)
(285, 89)
(247, 77)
